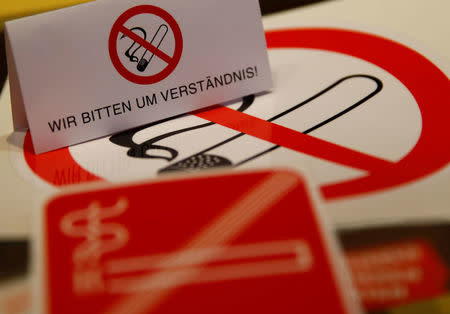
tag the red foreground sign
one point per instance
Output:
(247, 242)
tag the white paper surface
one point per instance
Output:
(76, 69)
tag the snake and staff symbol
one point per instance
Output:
(135, 49)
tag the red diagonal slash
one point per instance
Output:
(146, 44)
(292, 139)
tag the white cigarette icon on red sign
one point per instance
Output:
(231, 263)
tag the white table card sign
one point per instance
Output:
(94, 69)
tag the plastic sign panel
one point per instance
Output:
(247, 242)
(91, 70)
(330, 84)
(367, 126)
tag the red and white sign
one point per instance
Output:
(424, 156)
(150, 49)
(247, 242)
(398, 273)
(431, 90)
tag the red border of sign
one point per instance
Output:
(426, 82)
(116, 29)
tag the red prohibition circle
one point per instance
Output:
(119, 27)
(427, 83)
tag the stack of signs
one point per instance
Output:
(366, 112)
(247, 242)
(347, 104)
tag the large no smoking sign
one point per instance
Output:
(170, 145)
(145, 44)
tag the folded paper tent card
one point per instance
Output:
(94, 69)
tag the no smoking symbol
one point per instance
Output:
(430, 154)
(151, 48)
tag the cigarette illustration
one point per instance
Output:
(276, 258)
(307, 116)
(156, 42)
